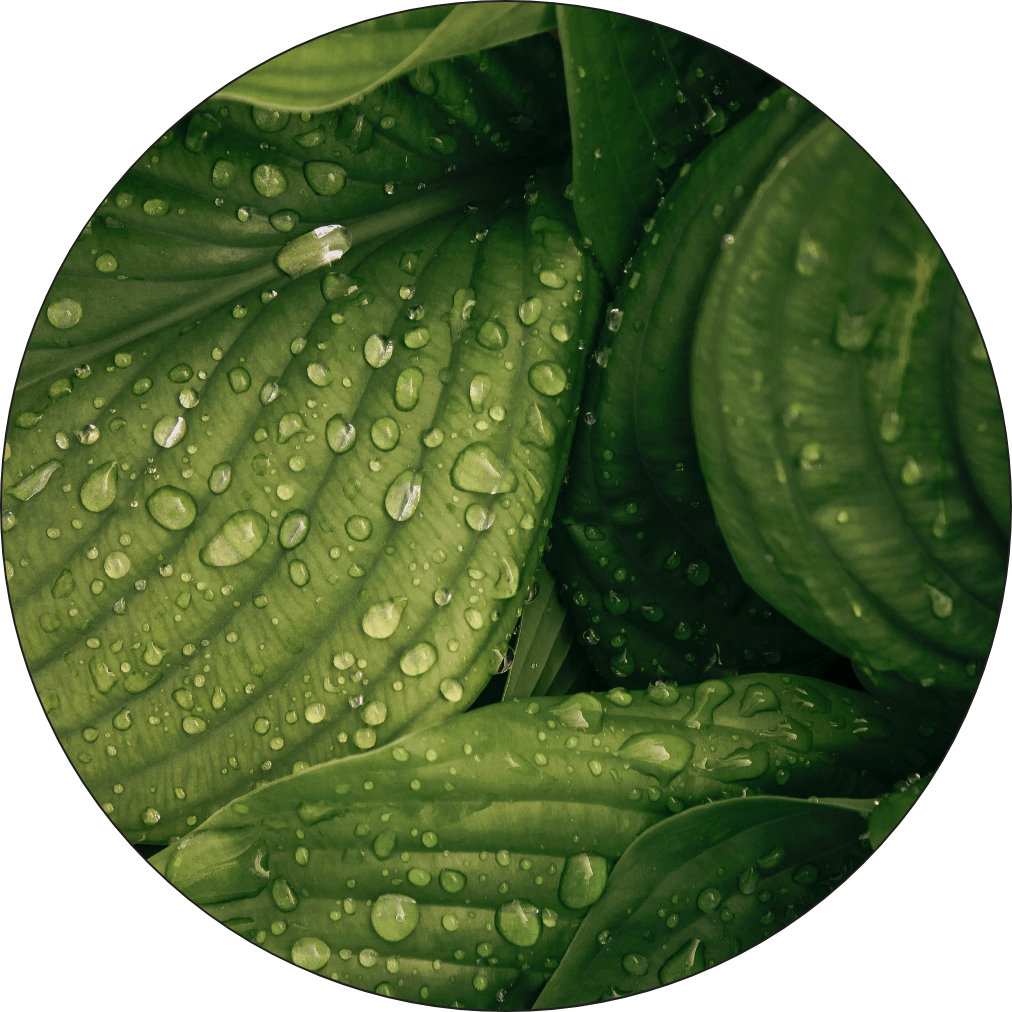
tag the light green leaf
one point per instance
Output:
(334, 69)
(281, 571)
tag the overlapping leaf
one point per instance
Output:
(699, 888)
(643, 100)
(336, 68)
(458, 861)
(645, 570)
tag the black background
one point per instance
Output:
(86, 916)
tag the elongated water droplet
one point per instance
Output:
(99, 489)
(941, 603)
(403, 495)
(481, 385)
(294, 530)
(241, 535)
(581, 712)
(385, 433)
(220, 477)
(35, 482)
(688, 960)
(583, 880)
(408, 388)
(530, 311)
(657, 754)
(298, 572)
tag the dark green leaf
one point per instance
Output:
(643, 101)
(646, 573)
(699, 888)
(890, 810)
(820, 408)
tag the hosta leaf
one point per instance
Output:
(493, 832)
(834, 461)
(890, 811)
(699, 888)
(336, 68)
(644, 100)
(200, 218)
(645, 570)
(262, 512)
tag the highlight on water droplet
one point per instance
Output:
(403, 495)
(168, 431)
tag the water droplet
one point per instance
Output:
(583, 880)
(194, 725)
(220, 477)
(810, 256)
(529, 311)
(394, 917)
(35, 482)
(99, 490)
(478, 468)
(403, 495)
(493, 335)
(326, 178)
(581, 712)
(941, 603)
(385, 433)
(319, 374)
(294, 529)
(474, 618)
(552, 279)
(634, 964)
(519, 923)
(452, 881)
(116, 565)
(241, 535)
(315, 249)
(155, 207)
(310, 953)
(613, 319)
(171, 508)
(419, 659)
(891, 426)
(547, 378)
(378, 350)
(479, 517)
(340, 434)
(168, 431)
(451, 690)
(223, 174)
(481, 386)
(408, 388)
(298, 572)
(381, 620)
(657, 754)
(418, 337)
(689, 960)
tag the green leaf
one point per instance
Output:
(646, 573)
(643, 102)
(890, 811)
(826, 434)
(701, 887)
(527, 801)
(258, 475)
(337, 68)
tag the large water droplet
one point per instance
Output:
(326, 179)
(688, 960)
(656, 753)
(394, 917)
(99, 489)
(583, 880)
(381, 620)
(452, 881)
(116, 565)
(481, 386)
(378, 350)
(269, 180)
(172, 508)
(340, 434)
(35, 482)
(220, 477)
(408, 388)
(547, 378)
(310, 953)
(64, 313)
(294, 529)
(385, 433)
(403, 495)
(581, 712)
(479, 517)
(478, 468)
(241, 535)
(168, 431)
(493, 335)
(419, 659)
(530, 311)
(519, 922)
